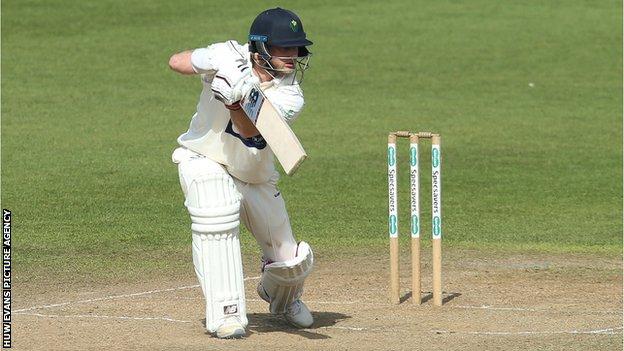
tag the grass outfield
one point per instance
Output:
(527, 96)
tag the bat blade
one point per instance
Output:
(274, 129)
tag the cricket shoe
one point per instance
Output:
(297, 314)
(232, 328)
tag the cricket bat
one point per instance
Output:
(274, 129)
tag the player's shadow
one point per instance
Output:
(446, 297)
(267, 323)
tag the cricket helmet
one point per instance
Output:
(277, 27)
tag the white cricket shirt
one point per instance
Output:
(211, 133)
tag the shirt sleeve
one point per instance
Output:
(202, 60)
(206, 60)
(287, 100)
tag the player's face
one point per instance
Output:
(283, 58)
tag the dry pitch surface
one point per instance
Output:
(519, 302)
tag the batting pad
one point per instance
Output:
(214, 203)
(218, 266)
(283, 281)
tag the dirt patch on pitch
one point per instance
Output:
(554, 302)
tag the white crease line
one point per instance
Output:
(606, 331)
(481, 307)
(313, 302)
(344, 328)
(115, 297)
(489, 307)
(306, 301)
(328, 302)
(485, 307)
(493, 308)
(103, 317)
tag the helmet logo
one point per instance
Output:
(293, 25)
(262, 38)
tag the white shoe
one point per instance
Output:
(232, 328)
(299, 315)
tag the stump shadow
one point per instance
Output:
(446, 296)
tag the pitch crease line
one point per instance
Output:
(186, 287)
(526, 309)
(167, 319)
(467, 307)
(605, 331)
(490, 307)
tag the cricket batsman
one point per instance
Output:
(227, 173)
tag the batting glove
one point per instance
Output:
(223, 85)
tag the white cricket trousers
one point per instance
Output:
(263, 210)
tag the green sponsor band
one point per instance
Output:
(413, 156)
(435, 157)
(415, 225)
(391, 156)
(392, 221)
(437, 226)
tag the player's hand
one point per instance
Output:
(231, 93)
(231, 90)
(233, 79)
(244, 85)
(224, 83)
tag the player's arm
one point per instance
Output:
(181, 62)
(243, 124)
(193, 61)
